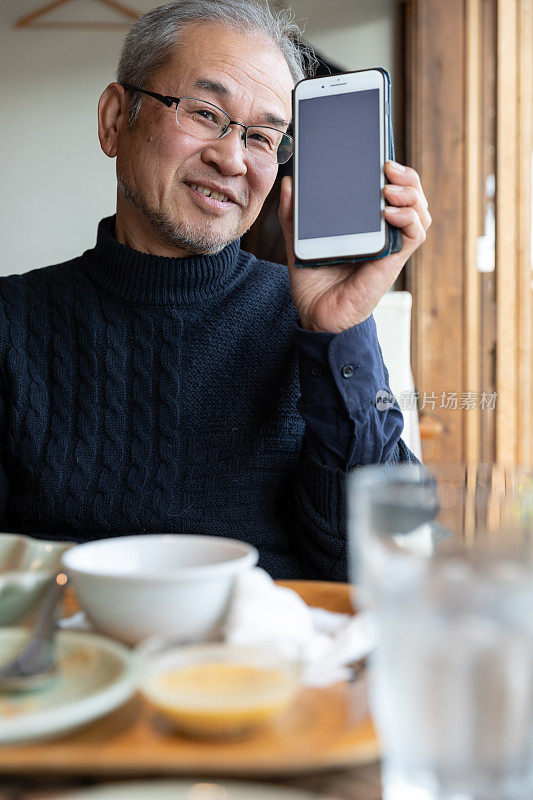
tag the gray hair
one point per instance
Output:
(152, 38)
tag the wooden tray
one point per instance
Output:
(324, 728)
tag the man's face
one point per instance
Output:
(158, 163)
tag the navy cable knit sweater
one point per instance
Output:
(147, 394)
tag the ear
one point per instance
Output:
(113, 108)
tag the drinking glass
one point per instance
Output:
(444, 557)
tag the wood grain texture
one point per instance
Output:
(488, 171)
(436, 149)
(469, 120)
(525, 217)
(473, 227)
(506, 232)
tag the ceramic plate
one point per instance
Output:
(95, 676)
(187, 790)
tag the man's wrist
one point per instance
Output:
(338, 327)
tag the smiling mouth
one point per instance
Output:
(209, 192)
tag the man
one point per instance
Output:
(166, 380)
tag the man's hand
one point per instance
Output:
(338, 297)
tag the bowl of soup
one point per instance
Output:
(218, 689)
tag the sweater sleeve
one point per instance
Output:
(321, 530)
(358, 433)
(350, 414)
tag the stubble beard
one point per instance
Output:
(178, 234)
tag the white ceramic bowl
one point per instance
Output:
(176, 585)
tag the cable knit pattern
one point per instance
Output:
(15, 366)
(61, 388)
(111, 454)
(35, 423)
(86, 417)
(4, 484)
(148, 394)
(141, 416)
(167, 463)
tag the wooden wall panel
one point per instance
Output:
(525, 233)
(506, 232)
(473, 215)
(487, 147)
(436, 148)
(469, 95)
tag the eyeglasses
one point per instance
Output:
(208, 122)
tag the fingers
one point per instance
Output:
(404, 176)
(408, 220)
(407, 204)
(396, 195)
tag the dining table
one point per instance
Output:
(354, 783)
(332, 753)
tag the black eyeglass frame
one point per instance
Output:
(169, 101)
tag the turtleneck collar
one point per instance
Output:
(142, 278)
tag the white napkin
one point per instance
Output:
(261, 612)
(327, 641)
(77, 622)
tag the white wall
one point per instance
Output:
(56, 182)
(354, 34)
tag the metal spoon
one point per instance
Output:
(35, 664)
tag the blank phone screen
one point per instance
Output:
(339, 165)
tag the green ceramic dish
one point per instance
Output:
(27, 566)
(94, 676)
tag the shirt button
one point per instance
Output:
(347, 371)
(316, 371)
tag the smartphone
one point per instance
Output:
(341, 129)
